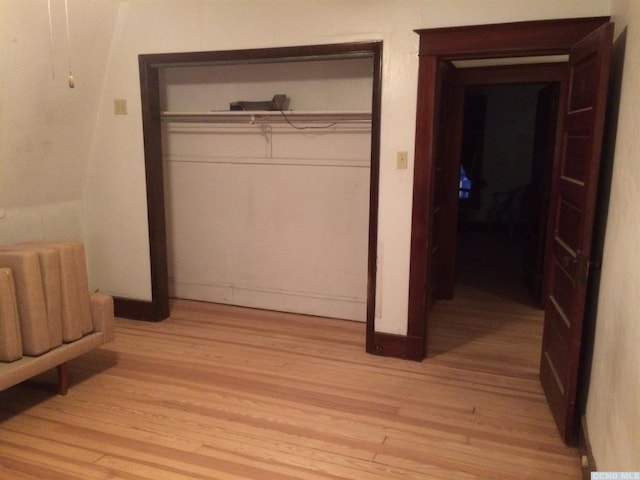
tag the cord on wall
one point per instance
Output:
(71, 79)
(72, 82)
(315, 127)
(53, 69)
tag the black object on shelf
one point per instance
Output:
(278, 102)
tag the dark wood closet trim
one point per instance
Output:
(547, 37)
(374, 182)
(261, 55)
(150, 65)
(133, 309)
(154, 173)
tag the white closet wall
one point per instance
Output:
(265, 215)
(311, 85)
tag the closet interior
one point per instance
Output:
(269, 208)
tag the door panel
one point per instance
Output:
(572, 223)
(568, 232)
(561, 302)
(577, 148)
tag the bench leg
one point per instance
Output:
(63, 378)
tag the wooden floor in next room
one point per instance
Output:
(220, 392)
(492, 325)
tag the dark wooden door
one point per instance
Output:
(571, 224)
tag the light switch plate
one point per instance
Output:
(120, 106)
(402, 160)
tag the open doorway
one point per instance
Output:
(506, 157)
(493, 325)
(573, 192)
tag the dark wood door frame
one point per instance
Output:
(547, 37)
(150, 65)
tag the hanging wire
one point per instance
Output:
(53, 70)
(314, 127)
(66, 11)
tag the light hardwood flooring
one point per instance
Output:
(220, 392)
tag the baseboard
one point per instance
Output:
(587, 461)
(399, 346)
(134, 309)
(384, 344)
(282, 300)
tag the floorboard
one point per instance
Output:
(222, 392)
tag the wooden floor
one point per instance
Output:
(218, 392)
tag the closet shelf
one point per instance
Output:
(264, 116)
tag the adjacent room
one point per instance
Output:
(222, 252)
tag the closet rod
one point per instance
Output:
(268, 116)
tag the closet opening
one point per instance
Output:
(264, 199)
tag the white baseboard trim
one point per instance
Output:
(307, 303)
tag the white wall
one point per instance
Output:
(344, 84)
(116, 204)
(613, 408)
(286, 230)
(46, 128)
